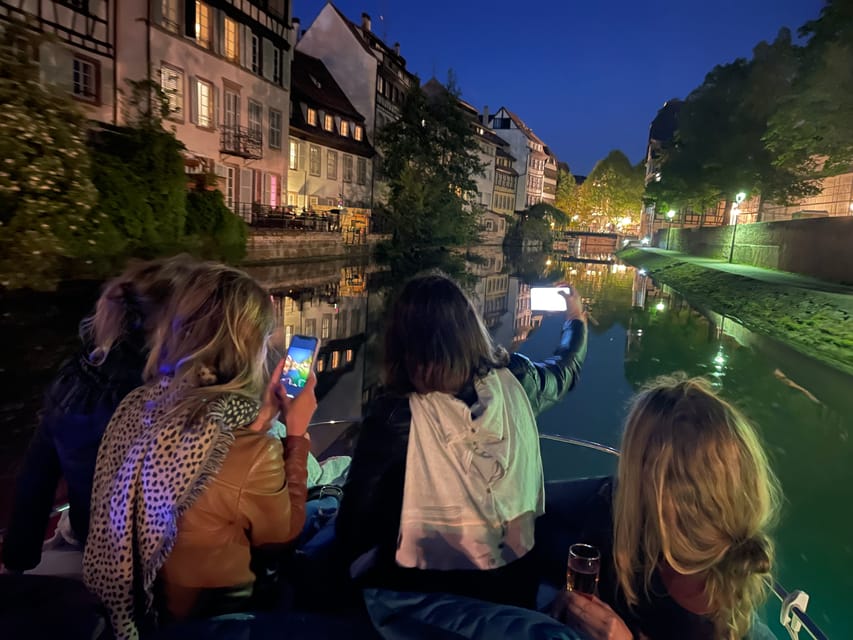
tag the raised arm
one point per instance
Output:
(548, 381)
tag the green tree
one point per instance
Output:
(719, 149)
(567, 192)
(213, 227)
(46, 195)
(430, 159)
(612, 194)
(811, 129)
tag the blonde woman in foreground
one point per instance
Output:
(687, 550)
(188, 479)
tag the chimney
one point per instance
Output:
(397, 48)
(365, 22)
(297, 34)
(485, 116)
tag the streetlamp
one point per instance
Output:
(739, 198)
(670, 215)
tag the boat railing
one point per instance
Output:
(792, 617)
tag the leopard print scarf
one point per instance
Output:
(152, 465)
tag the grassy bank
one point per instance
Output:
(816, 323)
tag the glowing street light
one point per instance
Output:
(670, 214)
(660, 306)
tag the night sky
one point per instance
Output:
(589, 76)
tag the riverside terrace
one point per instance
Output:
(267, 216)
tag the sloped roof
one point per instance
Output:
(520, 124)
(369, 41)
(434, 86)
(312, 84)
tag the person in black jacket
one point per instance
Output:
(436, 344)
(683, 532)
(81, 399)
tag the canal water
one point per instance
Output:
(638, 330)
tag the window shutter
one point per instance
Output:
(245, 186)
(245, 46)
(217, 102)
(189, 18)
(286, 58)
(157, 11)
(218, 27)
(193, 100)
(267, 59)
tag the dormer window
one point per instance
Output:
(359, 132)
(312, 117)
(344, 128)
(328, 123)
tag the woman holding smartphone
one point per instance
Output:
(446, 479)
(187, 479)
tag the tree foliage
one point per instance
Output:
(730, 137)
(811, 129)
(46, 195)
(567, 193)
(429, 159)
(219, 233)
(612, 194)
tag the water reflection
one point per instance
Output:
(638, 330)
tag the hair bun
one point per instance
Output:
(751, 555)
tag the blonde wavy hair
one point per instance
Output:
(695, 488)
(219, 325)
(134, 301)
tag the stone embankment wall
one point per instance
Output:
(819, 247)
(299, 246)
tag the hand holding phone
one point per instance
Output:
(298, 364)
(548, 298)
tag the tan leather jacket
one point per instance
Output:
(257, 499)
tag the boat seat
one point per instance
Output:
(34, 606)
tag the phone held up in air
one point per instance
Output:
(298, 364)
(548, 298)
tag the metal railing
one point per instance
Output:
(267, 216)
(241, 141)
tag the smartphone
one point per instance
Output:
(547, 298)
(298, 364)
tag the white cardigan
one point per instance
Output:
(474, 482)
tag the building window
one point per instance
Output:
(288, 334)
(347, 168)
(332, 165)
(314, 160)
(312, 117)
(344, 128)
(278, 66)
(361, 175)
(256, 54)
(256, 117)
(172, 84)
(204, 103)
(169, 17)
(275, 129)
(232, 47)
(358, 133)
(310, 327)
(336, 359)
(85, 80)
(326, 326)
(294, 156)
(202, 24)
(328, 123)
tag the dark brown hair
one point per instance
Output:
(435, 339)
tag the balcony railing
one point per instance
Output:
(241, 141)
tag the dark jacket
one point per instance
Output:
(77, 408)
(369, 517)
(657, 615)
